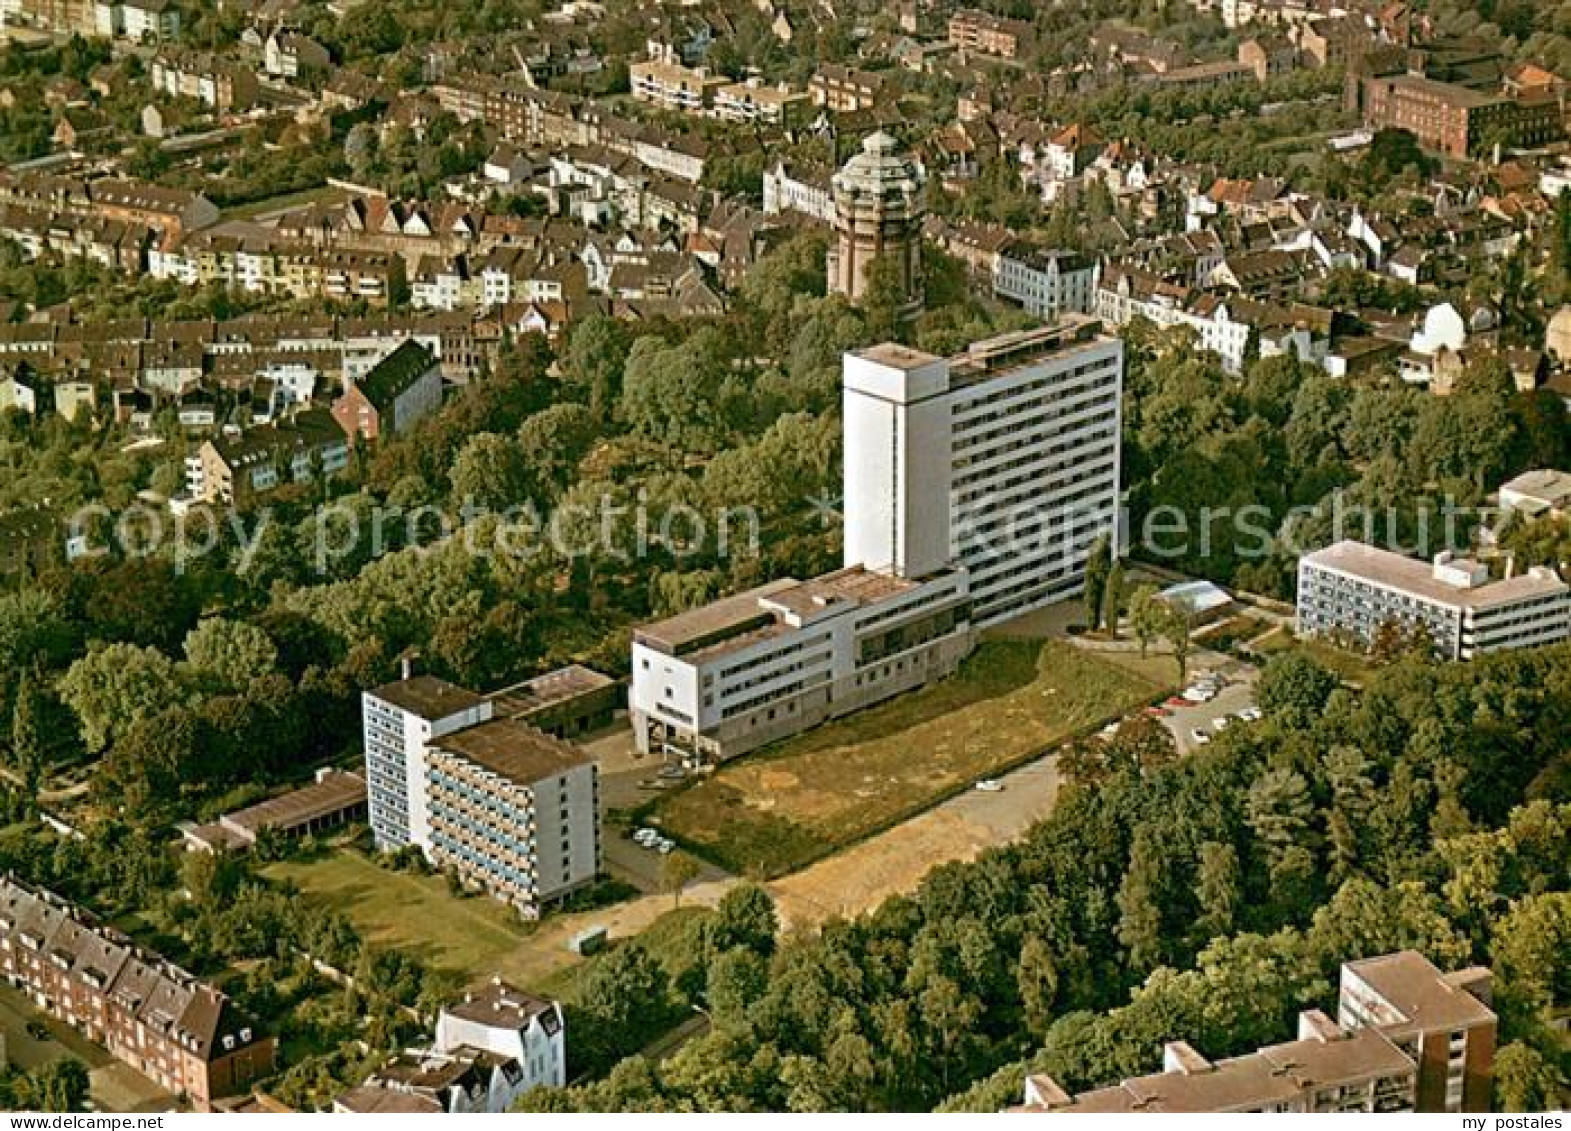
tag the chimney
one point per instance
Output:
(1510, 565)
(407, 667)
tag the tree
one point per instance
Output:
(623, 987)
(29, 755)
(736, 979)
(745, 916)
(1218, 888)
(1139, 904)
(115, 685)
(1525, 1080)
(595, 361)
(1113, 598)
(1036, 979)
(676, 872)
(1278, 808)
(490, 472)
(1295, 689)
(1098, 566)
(1145, 616)
(1175, 627)
(230, 653)
(59, 1086)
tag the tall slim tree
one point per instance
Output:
(1098, 565)
(28, 751)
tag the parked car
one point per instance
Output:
(1200, 736)
(1220, 724)
(1250, 714)
(990, 785)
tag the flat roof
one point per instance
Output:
(1550, 486)
(1395, 571)
(729, 615)
(1428, 998)
(428, 697)
(854, 585)
(546, 690)
(512, 749)
(336, 791)
(897, 356)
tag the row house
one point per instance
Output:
(183, 1034)
(169, 210)
(1221, 325)
(204, 78)
(973, 30)
(800, 188)
(673, 87)
(112, 244)
(847, 90)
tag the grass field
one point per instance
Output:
(783, 807)
(1348, 666)
(413, 913)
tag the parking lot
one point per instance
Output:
(1235, 692)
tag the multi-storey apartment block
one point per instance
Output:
(236, 470)
(1002, 460)
(1353, 589)
(744, 671)
(181, 1033)
(508, 807)
(1407, 1038)
(1046, 283)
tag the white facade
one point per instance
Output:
(765, 664)
(1046, 284)
(1352, 589)
(1003, 461)
(507, 1022)
(401, 720)
(784, 191)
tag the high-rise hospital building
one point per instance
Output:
(1002, 461)
(974, 488)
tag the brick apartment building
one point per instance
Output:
(1457, 121)
(181, 1033)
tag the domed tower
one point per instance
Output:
(878, 214)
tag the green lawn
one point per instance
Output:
(465, 934)
(775, 811)
(1350, 667)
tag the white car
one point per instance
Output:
(664, 847)
(990, 785)
(1200, 736)
(1250, 714)
(646, 836)
(1220, 724)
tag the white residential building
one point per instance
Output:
(1020, 435)
(757, 667)
(1352, 589)
(506, 806)
(1045, 283)
(490, 1048)
(807, 191)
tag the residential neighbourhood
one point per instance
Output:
(785, 557)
